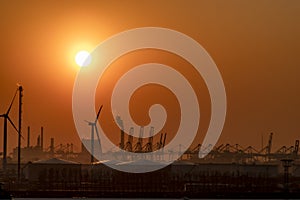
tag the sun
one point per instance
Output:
(83, 58)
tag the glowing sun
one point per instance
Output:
(83, 58)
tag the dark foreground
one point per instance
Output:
(179, 180)
(176, 195)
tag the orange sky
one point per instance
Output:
(255, 45)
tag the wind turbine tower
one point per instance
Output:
(93, 129)
(7, 118)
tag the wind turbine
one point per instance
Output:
(93, 128)
(7, 118)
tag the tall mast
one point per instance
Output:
(20, 132)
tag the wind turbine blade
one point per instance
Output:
(11, 103)
(11, 122)
(98, 113)
(2, 115)
(87, 121)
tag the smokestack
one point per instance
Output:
(122, 143)
(42, 138)
(160, 141)
(52, 145)
(28, 136)
(38, 144)
(164, 139)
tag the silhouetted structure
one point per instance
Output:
(93, 129)
(7, 118)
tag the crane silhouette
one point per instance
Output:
(93, 129)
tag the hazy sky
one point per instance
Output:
(255, 45)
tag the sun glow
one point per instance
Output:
(83, 58)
